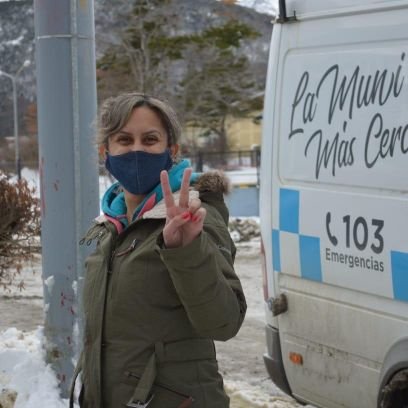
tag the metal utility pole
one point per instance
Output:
(66, 96)
(13, 79)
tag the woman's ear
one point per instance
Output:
(103, 152)
(174, 150)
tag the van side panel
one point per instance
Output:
(339, 195)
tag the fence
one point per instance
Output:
(201, 161)
(231, 160)
(10, 166)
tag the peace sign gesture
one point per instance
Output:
(184, 221)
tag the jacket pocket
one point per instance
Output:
(162, 395)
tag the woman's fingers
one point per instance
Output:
(194, 205)
(185, 220)
(173, 237)
(167, 193)
(199, 216)
(183, 228)
(185, 186)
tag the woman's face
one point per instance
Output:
(144, 131)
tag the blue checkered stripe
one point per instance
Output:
(399, 268)
(309, 246)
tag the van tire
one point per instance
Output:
(395, 393)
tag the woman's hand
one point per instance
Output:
(184, 222)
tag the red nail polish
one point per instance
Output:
(186, 215)
(195, 218)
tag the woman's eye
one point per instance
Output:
(124, 140)
(150, 139)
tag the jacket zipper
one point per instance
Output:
(116, 253)
(121, 253)
(127, 250)
(110, 262)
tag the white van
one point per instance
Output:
(334, 203)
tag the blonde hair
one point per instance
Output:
(115, 112)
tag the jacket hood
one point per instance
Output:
(213, 182)
(211, 187)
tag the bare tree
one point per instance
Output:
(145, 58)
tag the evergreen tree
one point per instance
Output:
(219, 81)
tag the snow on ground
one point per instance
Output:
(32, 178)
(24, 376)
(262, 6)
(248, 175)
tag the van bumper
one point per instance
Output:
(273, 360)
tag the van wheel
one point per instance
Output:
(395, 393)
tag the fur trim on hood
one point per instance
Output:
(213, 181)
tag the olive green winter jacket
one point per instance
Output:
(151, 314)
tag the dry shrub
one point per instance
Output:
(19, 227)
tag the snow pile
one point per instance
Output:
(244, 175)
(261, 6)
(242, 397)
(24, 377)
(244, 229)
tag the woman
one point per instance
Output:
(160, 286)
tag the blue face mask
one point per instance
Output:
(138, 172)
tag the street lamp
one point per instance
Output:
(13, 79)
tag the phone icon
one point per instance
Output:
(332, 237)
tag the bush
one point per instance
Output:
(19, 227)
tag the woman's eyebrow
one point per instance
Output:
(123, 132)
(151, 131)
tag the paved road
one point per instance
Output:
(240, 359)
(23, 309)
